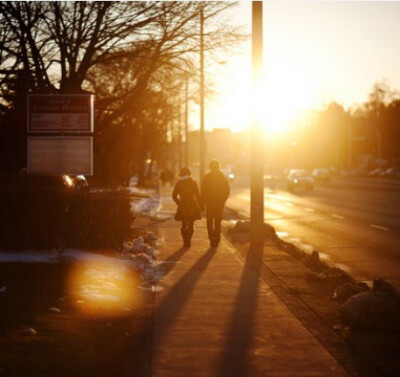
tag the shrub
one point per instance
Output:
(35, 217)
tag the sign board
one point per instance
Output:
(61, 155)
(60, 113)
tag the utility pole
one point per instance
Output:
(202, 141)
(186, 121)
(350, 145)
(179, 134)
(257, 149)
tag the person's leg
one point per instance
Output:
(210, 225)
(184, 231)
(217, 228)
(189, 232)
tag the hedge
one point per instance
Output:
(37, 217)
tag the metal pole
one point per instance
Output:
(179, 135)
(186, 121)
(257, 153)
(379, 145)
(202, 142)
(350, 144)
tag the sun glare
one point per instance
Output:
(282, 97)
(288, 93)
(283, 105)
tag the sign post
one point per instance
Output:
(70, 155)
(60, 113)
(62, 126)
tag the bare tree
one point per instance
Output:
(127, 53)
(126, 83)
(66, 39)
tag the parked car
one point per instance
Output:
(63, 182)
(375, 172)
(321, 175)
(390, 173)
(299, 178)
(81, 183)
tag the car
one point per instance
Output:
(321, 175)
(76, 183)
(64, 182)
(375, 172)
(299, 178)
(81, 183)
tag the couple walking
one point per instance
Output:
(214, 193)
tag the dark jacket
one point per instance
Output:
(215, 190)
(186, 195)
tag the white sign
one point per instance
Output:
(61, 155)
(60, 113)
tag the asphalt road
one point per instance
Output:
(353, 223)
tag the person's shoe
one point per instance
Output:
(213, 244)
(187, 244)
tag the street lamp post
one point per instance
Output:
(350, 145)
(257, 154)
(179, 135)
(186, 121)
(378, 134)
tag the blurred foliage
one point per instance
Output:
(46, 216)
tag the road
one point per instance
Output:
(353, 223)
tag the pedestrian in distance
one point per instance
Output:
(169, 175)
(214, 193)
(163, 177)
(187, 197)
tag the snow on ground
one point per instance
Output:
(146, 206)
(137, 254)
(146, 201)
(52, 256)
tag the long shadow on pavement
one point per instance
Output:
(235, 359)
(171, 305)
(169, 263)
(145, 342)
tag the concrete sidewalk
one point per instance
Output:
(217, 317)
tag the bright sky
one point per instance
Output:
(315, 52)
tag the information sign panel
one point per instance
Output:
(61, 155)
(60, 113)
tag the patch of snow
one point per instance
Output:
(30, 331)
(136, 254)
(52, 256)
(146, 206)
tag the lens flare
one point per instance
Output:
(104, 288)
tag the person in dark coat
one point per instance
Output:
(214, 193)
(186, 195)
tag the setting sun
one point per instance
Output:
(282, 97)
(288, 93)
